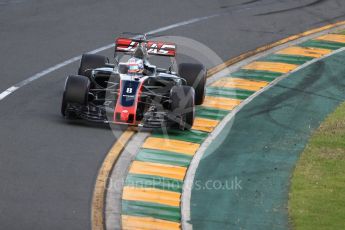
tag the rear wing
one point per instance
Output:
(160, 48)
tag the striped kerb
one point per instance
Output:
(220, 102)
(156, 169)
(240, 94)
(238, 83)
(171, 145)
(305, 51)
(290, 58)
(163, 157)
(148, 209)
(152, 195)
(184, 135)
(204, 124)
(271, 66)
(135, 222)
(150, 181)
(210, 113)
(332, 38)
(322, 44)
(258, 75)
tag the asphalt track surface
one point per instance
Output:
(48, 166)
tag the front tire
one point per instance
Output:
(195, 75)
(76, 92)
(183, 106)
(89, 62)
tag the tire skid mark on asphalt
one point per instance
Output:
(208, 121)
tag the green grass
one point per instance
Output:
(317, 193)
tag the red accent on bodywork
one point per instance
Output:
(161, 48)
(153, 47)
(125, 45)
(125, 112)
(124, 115)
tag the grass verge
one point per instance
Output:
(317, 192)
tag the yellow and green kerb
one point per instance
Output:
(151, 196)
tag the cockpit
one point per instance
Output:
(136, 67)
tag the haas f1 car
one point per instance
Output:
(135, 92)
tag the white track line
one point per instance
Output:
(43, 73)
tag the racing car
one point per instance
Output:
(135, 92)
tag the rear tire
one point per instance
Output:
(182, 104)
(76, 92)
(195, 75)
(89, 62)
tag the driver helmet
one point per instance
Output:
(135, 66)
